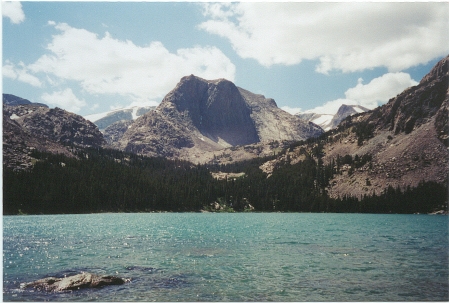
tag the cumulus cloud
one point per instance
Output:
(291, 110)
(105, 65)
(378, 91)
(64, 99)
(9, 70)
(343, 36)
(13, 11)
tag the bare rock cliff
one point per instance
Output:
(417, 104)
(273, 123)
(200, 116)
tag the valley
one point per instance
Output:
(212, 142)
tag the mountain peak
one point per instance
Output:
(329, 121)
(416, 105)
(192, 77)
(214, 107)
(438, 71)
(201, 115)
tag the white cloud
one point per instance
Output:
(65, 99)
(109, 66)
(350, 36)
(94, 107)
(291, 110)
(331, 107)
(9, 70)
(378, 91)
(13, 11)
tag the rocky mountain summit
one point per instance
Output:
(29, 127)
(200, 116)
(346, 111)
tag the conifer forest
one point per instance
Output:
(106, 180)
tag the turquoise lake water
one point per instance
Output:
(231, 257)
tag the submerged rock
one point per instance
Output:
(82, 280)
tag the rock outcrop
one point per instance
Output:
(76, 282)
(418, 104)
(31, 127)
(60, 126)
(114, 132)
(201, 115)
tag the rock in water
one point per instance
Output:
(82, 280)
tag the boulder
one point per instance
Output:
(79, 281)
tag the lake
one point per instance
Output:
(231, 256)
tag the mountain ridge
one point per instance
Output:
(201, 115)
(330, 121)
(405, 139)
(105, 119)
(29, 127)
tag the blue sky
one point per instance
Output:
(91, 57)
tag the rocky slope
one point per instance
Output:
(407, 140)
(200, 116)
(114, 132)
(31, 127)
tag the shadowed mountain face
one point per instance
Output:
(216, 109)
(206, 115)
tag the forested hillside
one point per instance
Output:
(103, 180)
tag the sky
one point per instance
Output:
(92, 57)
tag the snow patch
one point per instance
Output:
(14, 117)
(323, 119)
(132, 109)
(134, 113)
(96, 117)
(358, 109)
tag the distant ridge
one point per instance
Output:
(103, 120)
(330, 121)
(13, 100)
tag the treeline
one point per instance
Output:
(103, 180)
